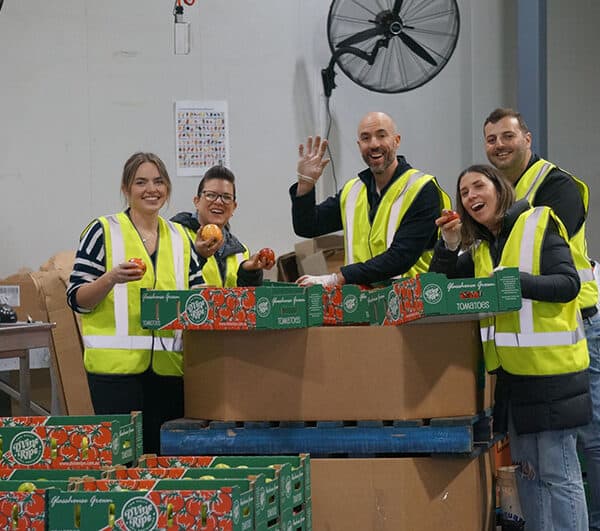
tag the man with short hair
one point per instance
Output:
(508, 147)
(387, 212)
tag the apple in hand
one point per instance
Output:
(211, 232)
(450, 215)
(140, 264)
(266, 255)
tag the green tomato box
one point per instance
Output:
(276, 500)
(299, 489)
(264, 307)
(166, 507)
(276, 305)
(252, 504)
(433, 294)
(70, 442)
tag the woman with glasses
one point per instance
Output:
(229, 263)
(126, 363)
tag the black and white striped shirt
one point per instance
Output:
(90, 264)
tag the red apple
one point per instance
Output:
(211, 232)
(266, 255)
(140, 264)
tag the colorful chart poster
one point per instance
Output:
(201, 136)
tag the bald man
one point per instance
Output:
(387, 212)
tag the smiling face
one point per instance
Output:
(218, 209)
(508, 146)
(378, 142)
(479, 199)
(148, 190)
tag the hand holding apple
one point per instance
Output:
(263, 259)
(140, 264)
(208, 240)
(450, 227)
(128, 271)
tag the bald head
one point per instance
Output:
(378, 142)
(378, 119)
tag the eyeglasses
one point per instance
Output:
(213, 196)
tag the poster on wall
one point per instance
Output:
(201, 136)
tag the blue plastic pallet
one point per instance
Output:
(452, 435)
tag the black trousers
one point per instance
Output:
(159, 398)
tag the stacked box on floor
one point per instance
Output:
(70, 441)
(287, 489)
(348, 395)
(321, 379)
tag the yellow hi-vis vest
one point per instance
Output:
(526, 188)
(114, 341)
(363, 240)
(542, 338)
(211, 273)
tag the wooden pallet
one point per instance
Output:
(452, 435)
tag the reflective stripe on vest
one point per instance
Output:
(397, 205)
(364, 238)
(350, 209)
(526, 188)
(134, 342)
(115, 342)
(528, 337)
(120, 290)
(543, 337)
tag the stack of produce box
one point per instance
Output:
(64, 473)
(287, 384)
(40, 454)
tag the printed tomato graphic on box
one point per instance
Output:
(79, 446)
(203, 309)
(23, 511)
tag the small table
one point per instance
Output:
(16, 339)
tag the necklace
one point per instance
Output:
(147, 237)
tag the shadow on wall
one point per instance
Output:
(312, 118)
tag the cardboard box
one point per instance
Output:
(433, 294)
(424, 494)
(334, 373)
(42, 297)
(316, 256)
(210, 510)
(320, 255)
(70, 441)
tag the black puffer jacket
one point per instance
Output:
(230, 246)
(537, 403)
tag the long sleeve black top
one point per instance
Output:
(558, 281)
(560, 192)
(417, 231)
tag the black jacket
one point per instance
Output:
(230, 246)
(417, 231)
(537, 403)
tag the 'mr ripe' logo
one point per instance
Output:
(139, 514)
(27, 448)
(263, 307)
(196, 309)
(393, 306)
(351, 303)
(432, 293)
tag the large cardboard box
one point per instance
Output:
(42, 297)
(337, 373)
(416, 494)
